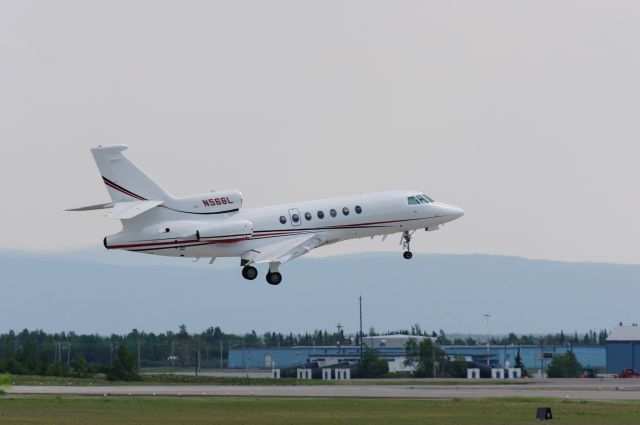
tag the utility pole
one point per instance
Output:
(361, 334)
(339, 326)
(433, 357)
(488, 316)
(541, 357)
(221, 354)
(504, 359)
(197, 361)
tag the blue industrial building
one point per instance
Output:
(623, 349)
(533, 356)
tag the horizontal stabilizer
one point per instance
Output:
(126, 210)
(93, 207)
(122, 210)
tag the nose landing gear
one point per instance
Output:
(406, 245)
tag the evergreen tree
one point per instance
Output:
(124, 368)
(443, 338)
(80, 366)
(29, 358)
(519, 364)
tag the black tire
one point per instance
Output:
(407, 255)
(274, 278)
(249, 272)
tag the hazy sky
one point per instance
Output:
(524, 113)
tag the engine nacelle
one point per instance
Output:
(225, 231)
(217, 202)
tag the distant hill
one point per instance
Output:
(104, 292)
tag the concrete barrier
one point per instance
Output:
(326, 374)
(343, 374)
(473, 373)
(497, 373)
(514, 373)
(303, 373)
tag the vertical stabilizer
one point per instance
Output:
(125, 181)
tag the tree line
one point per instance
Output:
(39, 352)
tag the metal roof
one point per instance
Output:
(395, 340)
(625, 333)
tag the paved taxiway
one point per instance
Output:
(592, 389)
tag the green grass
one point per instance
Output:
(71, 410)
(5, 381)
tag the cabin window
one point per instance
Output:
(345, 211)
(283, 219)
(358, 209)
(320, 215)
(295, 218)
(332, 212)
(307, 215)
(413, 200)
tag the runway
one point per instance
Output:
(592, 389)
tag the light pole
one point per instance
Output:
(360, 304)
(487, 316)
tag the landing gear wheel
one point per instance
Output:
(407, 255)
(274, 278)
(249, 272)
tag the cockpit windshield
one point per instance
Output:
(419, 199)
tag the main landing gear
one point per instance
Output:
(273, 276)
(405, 242)
(249, 272)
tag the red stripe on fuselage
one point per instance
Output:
(159, 244)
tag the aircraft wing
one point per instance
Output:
(122, 210)
(287, 250)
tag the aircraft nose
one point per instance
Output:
(456, 212)
(450, 212)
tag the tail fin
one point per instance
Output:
(125, 181)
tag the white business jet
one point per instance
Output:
(214, 224)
